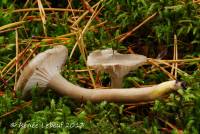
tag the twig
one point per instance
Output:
(14, 60)
(125, 35)
(25, 5)
(179, 60)
(196, 1)
(42, 15)
(68, 34)
(82, 33)
(12, 25)
(161, 68)
(84, 14)
(170, 125)
(8, 30)
(175, 57)
(176, 52)
(48, 9)
(178, 70)
(17, 57)
(70, 6)
(80, 42)
(90, 9)
(17, 108)
(25, 62)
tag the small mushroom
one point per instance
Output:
(115, 64)
(44, 71)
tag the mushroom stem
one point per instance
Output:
(116, 82)
(64, 87)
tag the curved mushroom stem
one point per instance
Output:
(64, 87)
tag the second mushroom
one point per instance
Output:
(115, 64)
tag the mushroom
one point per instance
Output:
(41, 69)
(44, 71)
(115, 64)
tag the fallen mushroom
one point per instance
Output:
(41, 69)
(44, 69)
(115, 64)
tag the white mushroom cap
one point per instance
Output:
(114, 63)
(41, 69)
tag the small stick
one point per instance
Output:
(47, 9)
(17, 108)
(14, 60)
(82, 47)
(8, 30)
(161, 68)
(90, 9)
(175, 57)
(12, 25)
(125, 35)
(25, 62)
(178, 70)
(17, 57)
(179, 60)
(42, 15)
(84, 14)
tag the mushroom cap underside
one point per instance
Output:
(41, 68)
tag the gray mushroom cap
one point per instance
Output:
(114, 63)
(41, 69)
